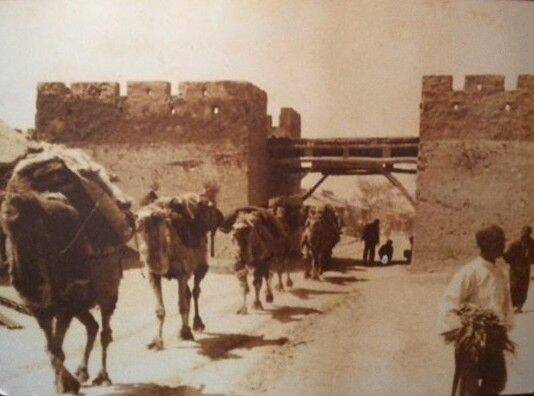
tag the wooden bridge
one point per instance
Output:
(351, 156)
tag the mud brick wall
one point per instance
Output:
(289, 126)
(476, 165)
(210, 130)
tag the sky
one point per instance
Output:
(351, 68)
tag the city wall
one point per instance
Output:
(476, 165)
(149, 137)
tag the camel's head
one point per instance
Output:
(208, 216)
(19, 207)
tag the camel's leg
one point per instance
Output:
(258, 279)
(155, 282)
(307, 267)
(184, 305)
(279, 272)
(269, 292)
(105, 339)
(315, 266)
(289, 281)
(92, 329)
(64, 381)
(198, 325)
(308, 262)
(242, 276)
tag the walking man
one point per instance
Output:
(370, 237)
(481, 284)
(520, 256)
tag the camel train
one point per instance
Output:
(66, 226)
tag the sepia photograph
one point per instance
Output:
(277, 197)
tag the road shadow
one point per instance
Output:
(344, 264)
(219, 346)
(140, 389)
(390, 264)
(343, 280)
(305, 294)
(286, 314)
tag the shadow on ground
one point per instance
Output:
(391, 264)
(305, 294)
(343, 280)
(155, 389)
(286, 314)
(344, 264)
(219, 346)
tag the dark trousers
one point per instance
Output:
(369, 253)
(488, 377)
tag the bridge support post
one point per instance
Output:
(396, 182)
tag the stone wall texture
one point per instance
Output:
(209, 131)
(476, 165)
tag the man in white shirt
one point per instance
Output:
(482, 283)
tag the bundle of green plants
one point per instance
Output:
(481, 333)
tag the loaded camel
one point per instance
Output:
(63, 251)
(291, 214)
(260, 241)
(173, 244)
(321, 233)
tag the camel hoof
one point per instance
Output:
(242, 311)
(102, 379)
(269, 297)
(156, 344)
(67, 383)
(198, 325)
(280, 287)
(186, 334)
(316, 277)
(306, 275)
(289, 283)
(82, 375)
(258, 306)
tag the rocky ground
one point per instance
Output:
(363, 330)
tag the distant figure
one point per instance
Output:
(408, 252)
(520, 255)
(371, 238)
(386, 252)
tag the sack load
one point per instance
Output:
(102, 206)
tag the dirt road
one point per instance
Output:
(360, 331)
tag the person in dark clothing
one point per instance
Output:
(408, 252)
(520, 256)
(371, 238)
(386, 252)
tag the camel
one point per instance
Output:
(60, 277)
(260, 239)
(173, 244)
(321, 234)
(289, 212)
(65, 225)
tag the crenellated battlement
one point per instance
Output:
(90, 110)
(289, 124)
(222, 126)
(482, 110)
(475, 163)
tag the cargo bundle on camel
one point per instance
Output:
(321, 233)
(66, 225)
